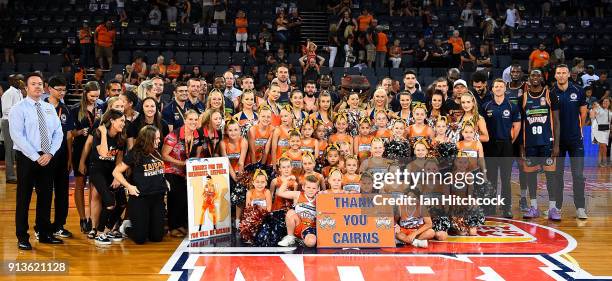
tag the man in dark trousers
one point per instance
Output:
(572, 114)
(37, 135)
(503, 124)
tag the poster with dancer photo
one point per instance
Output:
(208, 197)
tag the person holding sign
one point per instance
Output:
(300, 220)
(411, 226)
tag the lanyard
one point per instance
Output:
(180, 112)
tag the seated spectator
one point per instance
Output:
(440, 54)
(266, 36)
(468, 59)
(161, 66)
(173, 71)
(421, 53)
(589, 77)
(282, 30)
(195, 72)
(395, 54)
(140, 67)
(310, 69)
(350, 53)
(241, 31)
(601, 87)
(483, 60)
(575, 77)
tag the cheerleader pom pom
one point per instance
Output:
(320, 163)
(272, 230)
(238, 194)
(442, 223)
(250, 223)
(447, 150)
(397, 149)
(475, 217)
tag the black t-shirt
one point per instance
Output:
(147, 173)
(468, 66)
(106, 162)
(134, 128)
(600, 88)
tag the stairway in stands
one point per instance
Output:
(315, 26)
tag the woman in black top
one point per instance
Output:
(146, 187)
(149, 115)
(84, 115)
(108, 145)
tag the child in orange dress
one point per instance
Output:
(341, 138)
(309, 144)
(351, 181)
(471, 147)
(294, 153)
(285, 176)
(280, 137)
(362, 143)
(334, 160)
(334, 182)
(381, 122)
(419, 129)
(321, 131)
(235, 148)
(412, 225)
(258, 202)
(308, 165)
(259, 137)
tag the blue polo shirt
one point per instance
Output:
(174, 115)
(570, 102)
(499, 118)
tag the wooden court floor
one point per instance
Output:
(128, 261)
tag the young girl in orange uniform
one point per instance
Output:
(294, 153)
(351, 181)
(419, 129)
(309, 144)
(280, 137)
(362, 143)
(258, 202)
(285, 177)
(235, 148)
(260, 136)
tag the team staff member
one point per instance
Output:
(573, 112)
(61, 161)
(37, 135)
(174, 112)
(146, 187)
(503, 124)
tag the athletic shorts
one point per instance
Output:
(539, 157)
(303, 229)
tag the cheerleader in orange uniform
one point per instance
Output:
(308, 165)
(273, 94)
(209, 194)
(301, 220)
(235, 148)
(381, 122)
(397, 147)
(258, 202)
(294, 153)
(321, 132)
(284, 170)
(412, 226)
(309, 144)
(332, 155)
(341, 138)
(351, 181)
(363, 141)
(280, 137)
(419, 129)
(324, 113)
(260, 136)
(471, 147)
(334, 182)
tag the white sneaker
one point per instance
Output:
(287, 240)
(581, 214)
(419, 243)
(125, 224)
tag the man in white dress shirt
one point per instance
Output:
(11, 97)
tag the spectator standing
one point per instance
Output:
(468, 59)
(333, 44)
(467, 16)
(220, 11)
(601, 87)
(140, 67)
(421, 53)
(589, 77)
(161, 66)
(121, 10)
(184, 10)
(230, 91)
(539, 58)
(173, 71)
(10, 37)
(364, 20)
(601, 116)
(171, 12)
(458, 45)
(295, 29)
(381, 47)
(104, 38)
(85, 35)
(241, 31)
(10, 98)
(207, 11)
(512, 19)
(282, 30)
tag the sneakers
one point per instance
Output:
(83, 225)
(554, 214)
(532, 213)
(91, 234)
(62, 232)
(581, 214)
(115, 236)
(126, 224)
(523, 204)
(419, 243)
(102, 239)
(287, 241)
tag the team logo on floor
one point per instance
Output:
(503, 250)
